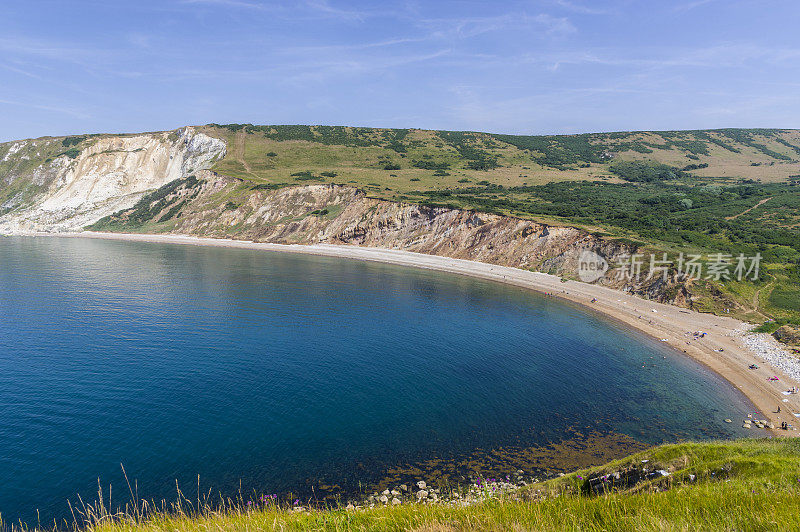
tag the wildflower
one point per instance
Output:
(296, 502)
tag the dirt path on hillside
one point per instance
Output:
(760, 203)
(238, 150)
(757, 296)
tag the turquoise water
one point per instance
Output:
(276, 372)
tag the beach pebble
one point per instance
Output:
(422, 494)
(767, 348)
(421, 484)
(386, 492)
(403, 487)
(396, 501)
(384, 499)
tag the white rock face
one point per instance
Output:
(14, 149)
(111, 174)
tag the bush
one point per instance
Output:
(430, 165)
(694, 166)
(640, 172)
(72, 141)
(72, 153)
(306, 176)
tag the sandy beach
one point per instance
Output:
(726, 348)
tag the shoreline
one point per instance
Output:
(723, 350)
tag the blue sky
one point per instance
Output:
(548, 66)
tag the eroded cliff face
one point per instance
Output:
(219, 206)
(99, 176)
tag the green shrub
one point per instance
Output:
(72, 141)
(72, 153)
(637, 171)
(306, 176)
(430, 165)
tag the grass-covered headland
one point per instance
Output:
(738, 485)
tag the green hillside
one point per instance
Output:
(407, 160)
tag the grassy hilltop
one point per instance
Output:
(740, 485)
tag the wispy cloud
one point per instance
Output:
(52, 50)
(581, 9)
(468, 27)
(688, 6)
(238, 4)
(325, 8)
(53, 108)
(555, 25)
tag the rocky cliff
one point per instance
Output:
(65, 183)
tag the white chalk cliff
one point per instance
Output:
(109, 173)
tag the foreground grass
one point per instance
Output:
(745, 506)
(741, 485)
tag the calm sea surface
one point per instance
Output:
(275, 371)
